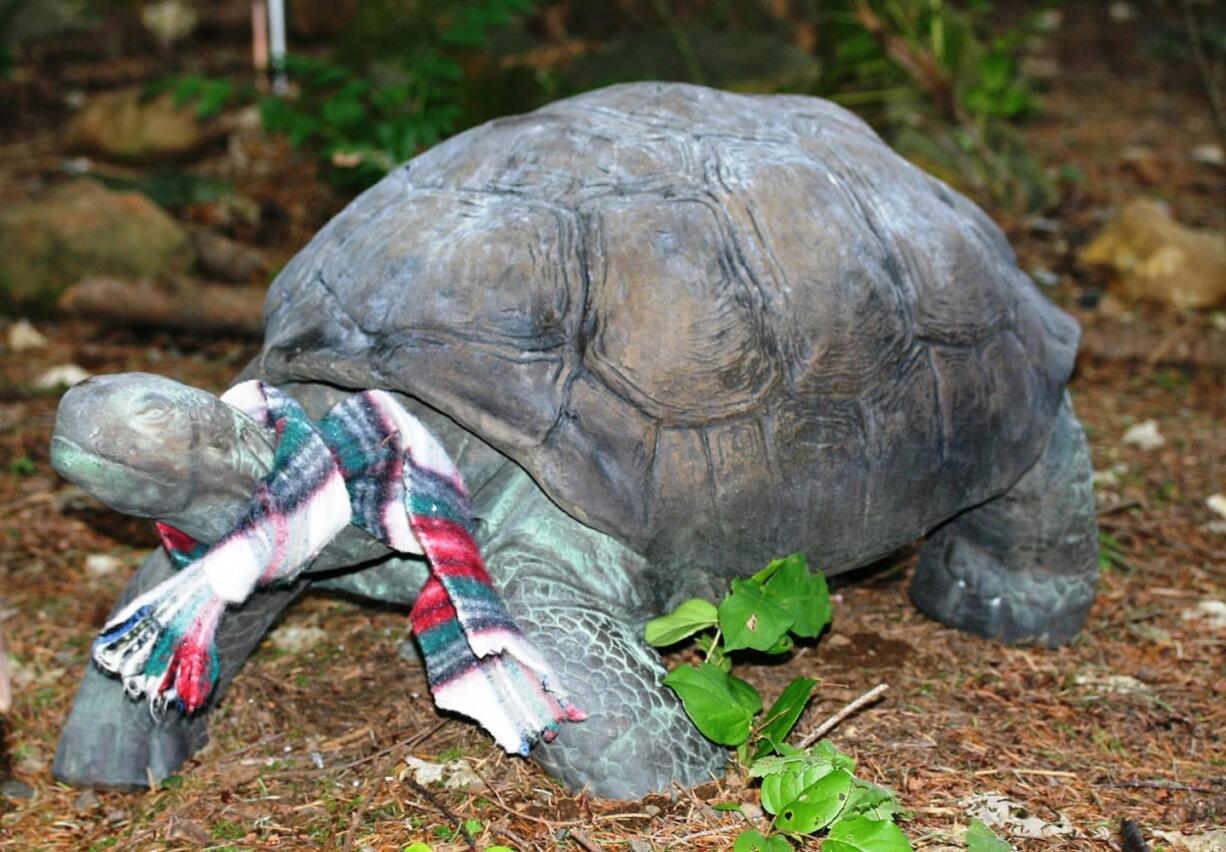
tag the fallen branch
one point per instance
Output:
(1113, 341)
(183, 303)
(1156, 784)
(833, 722)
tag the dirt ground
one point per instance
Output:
(309, 746)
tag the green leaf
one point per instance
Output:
(751, 619)
(865, 835)
(782, 788)
(980, 838)
(754, 841)
(745, 694)
(802, 594)
(786, 710)
(775, 564)
(817, 806)
(869, 800)
(684, 621)
(711, 702)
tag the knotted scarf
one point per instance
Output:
(368, 463)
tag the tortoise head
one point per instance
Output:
(152, 447)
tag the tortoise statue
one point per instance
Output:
(668, 333)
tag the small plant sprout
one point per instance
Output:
(806, 791)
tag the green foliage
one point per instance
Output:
(980, 838)
(805, 790)
(1111, 553)
(394, 89)
(210, 95)
(942, 84)
(22, 466)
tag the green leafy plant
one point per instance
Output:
(372, 108)
(806, 790)
(942, 83)
(210, 95)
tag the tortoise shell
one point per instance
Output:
(718, 327)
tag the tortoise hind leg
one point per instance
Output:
(113, 741)
(1023, 566)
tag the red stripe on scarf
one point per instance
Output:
(450, 547)
(432, 608)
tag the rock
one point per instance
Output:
(127, 124)
(87, 801)
(1152, 257)
(62, 376)
(169, 21)
(454, 774)
(101, 564)
(1144, 435)
(995, 810)
(1210, 841)
(1217, 503)
(78, 229)
(14, 789)
(294, 640)
(1209, 155)
(1109, 683)
(23, 337)
(1211, 612)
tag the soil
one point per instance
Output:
(309, 746)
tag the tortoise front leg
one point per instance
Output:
(111, 740)
(574, 592)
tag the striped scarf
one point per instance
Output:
(371, 464)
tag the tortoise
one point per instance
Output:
(668, 333)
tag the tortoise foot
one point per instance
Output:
(113, 741)
(1023, 567)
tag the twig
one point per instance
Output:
(354, 821)
(583, 840)
(829, 725)
(510, 835)
(1157, 784)
(1120, 507)
(447, 813)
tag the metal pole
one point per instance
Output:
(276, 38)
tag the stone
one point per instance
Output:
(1152, 257)
(128, 124)
(14, 789)
(22, 337)
(1144, 435)
(61, 376)
(82, 228)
